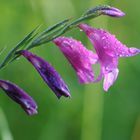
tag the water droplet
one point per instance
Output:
(4, 86)
(66, 43)
(36, 62)
(133, 50)
(103, 38)
(18, 58)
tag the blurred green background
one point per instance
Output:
(91, 114)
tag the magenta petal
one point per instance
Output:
(107, 51)
(104, 41)
(110, 78)
(80, 58)
(131, 52)
(103, 45)
(19, 96)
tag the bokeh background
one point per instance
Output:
(91, 114)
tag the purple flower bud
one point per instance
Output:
(48, 73)
(106, 10)
(19, 96)
(114, 12)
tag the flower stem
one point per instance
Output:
(4, 128)
(93, 105)
(92, 113)
(32, 40)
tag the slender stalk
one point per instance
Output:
(61, 31)
(31, 41)
(136, 133)
(93, 106)
(92, 113)
(4, 129)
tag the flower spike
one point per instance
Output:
(80, 58)
(48, 73)
(109, 50)
(19, 96)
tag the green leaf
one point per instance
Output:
(54, 27)
(48, 33)
(11, 54)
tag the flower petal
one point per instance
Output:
(19, 96)
(108, 42)
(48, 73)
(129, 52)
(104, 46)
(80, 58)
(110, 78)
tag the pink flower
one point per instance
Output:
(80, 58)
(109, 50)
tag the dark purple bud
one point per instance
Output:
(48, 73)
(19, 96)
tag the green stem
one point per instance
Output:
(66, 28)
(48, 35)
(93, 107)
(92, 113)
(4, 128)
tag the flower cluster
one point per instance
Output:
(108, 51)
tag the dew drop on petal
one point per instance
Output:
(17, 58)
(36, 62)
(133, 50)
(4, 86)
